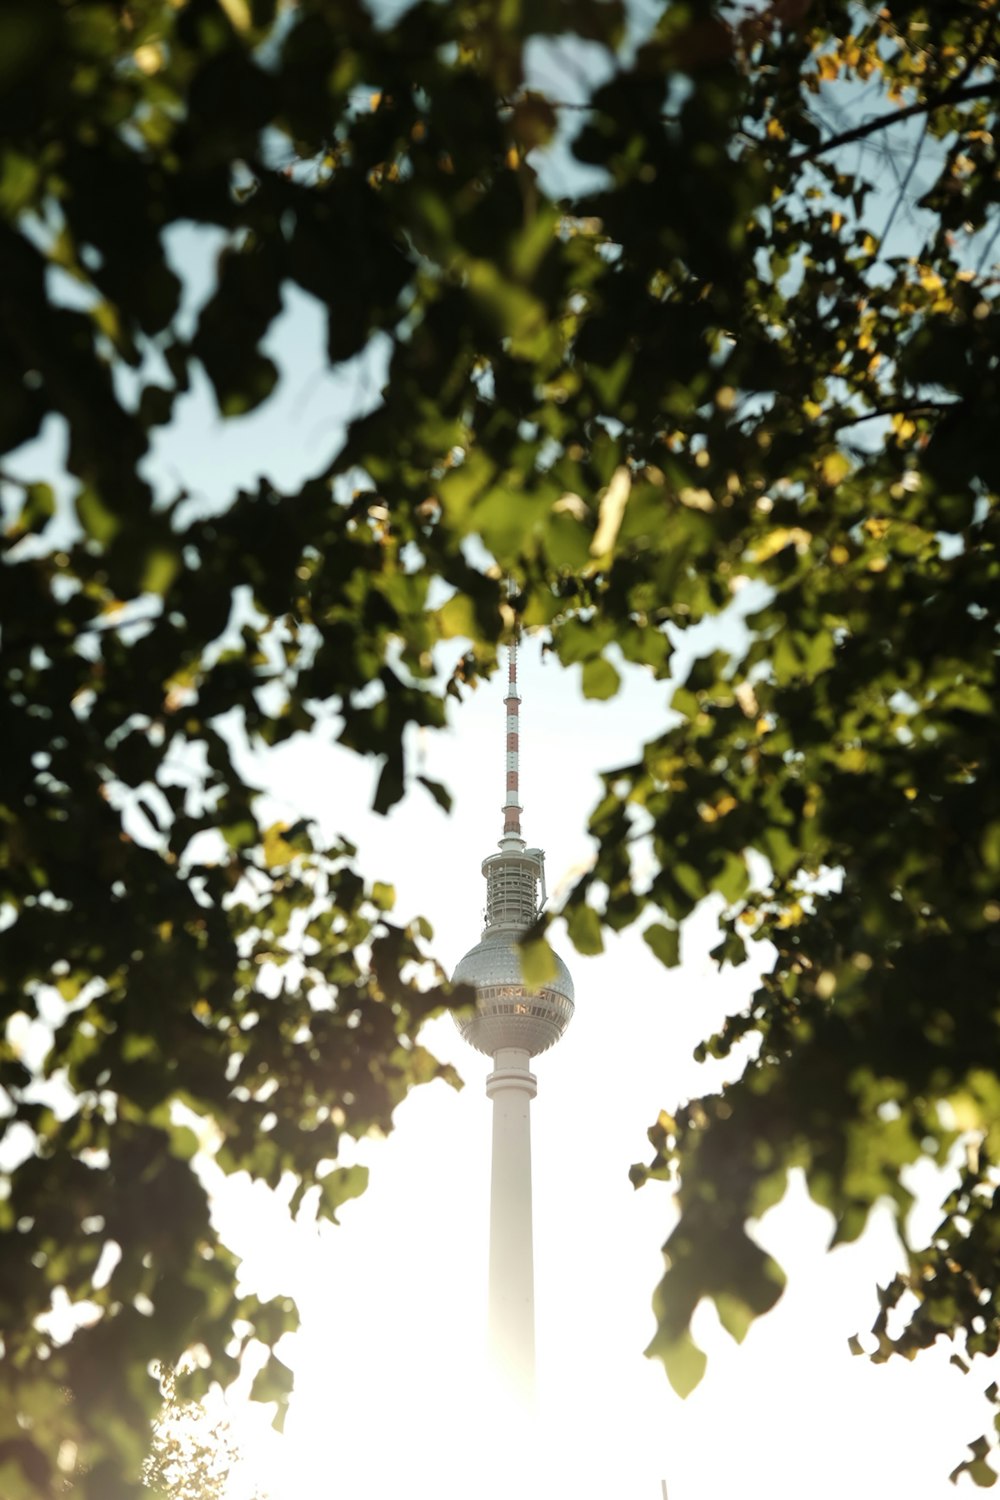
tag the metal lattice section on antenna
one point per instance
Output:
(512, 702)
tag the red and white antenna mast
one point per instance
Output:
(512, 802)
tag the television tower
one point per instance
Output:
(512, 1023)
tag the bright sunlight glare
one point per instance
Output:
(393, 1394)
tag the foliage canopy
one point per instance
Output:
(193, 1456)
(745, 333)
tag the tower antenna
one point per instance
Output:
(512, 703)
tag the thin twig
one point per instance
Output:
(904, 185)
(988, 247)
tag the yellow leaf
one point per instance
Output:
(609, 520)
(570, 505)
(238, 12)
(148, 58)
(696, 499)
(776, 541)
(276, 850)
(835, 467)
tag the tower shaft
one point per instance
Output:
(511, 1087)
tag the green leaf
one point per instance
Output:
(38, 507)
(735, 1315)
(258, 381)
(732, 950)
(339, 1187)
(584, 926)
(274, 1382)
(390, 785)
(440, 793)
(733, 879)
(538, 963)
(383, 895)
(161, 568)
(240, 835)
(96, 517)
(990, 845)
(665, 943)
(600, 679)
(781, 851)
(458, 618)
(683, 1361)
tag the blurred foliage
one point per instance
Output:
(757, 347)
(193, 1457)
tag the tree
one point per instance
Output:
(723, 353)
(192, 1457)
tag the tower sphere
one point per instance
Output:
(508, 1013)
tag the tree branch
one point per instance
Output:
(896, 117)
(925, 408)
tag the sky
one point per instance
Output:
(393, 1397)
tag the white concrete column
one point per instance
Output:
(512, 1087)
